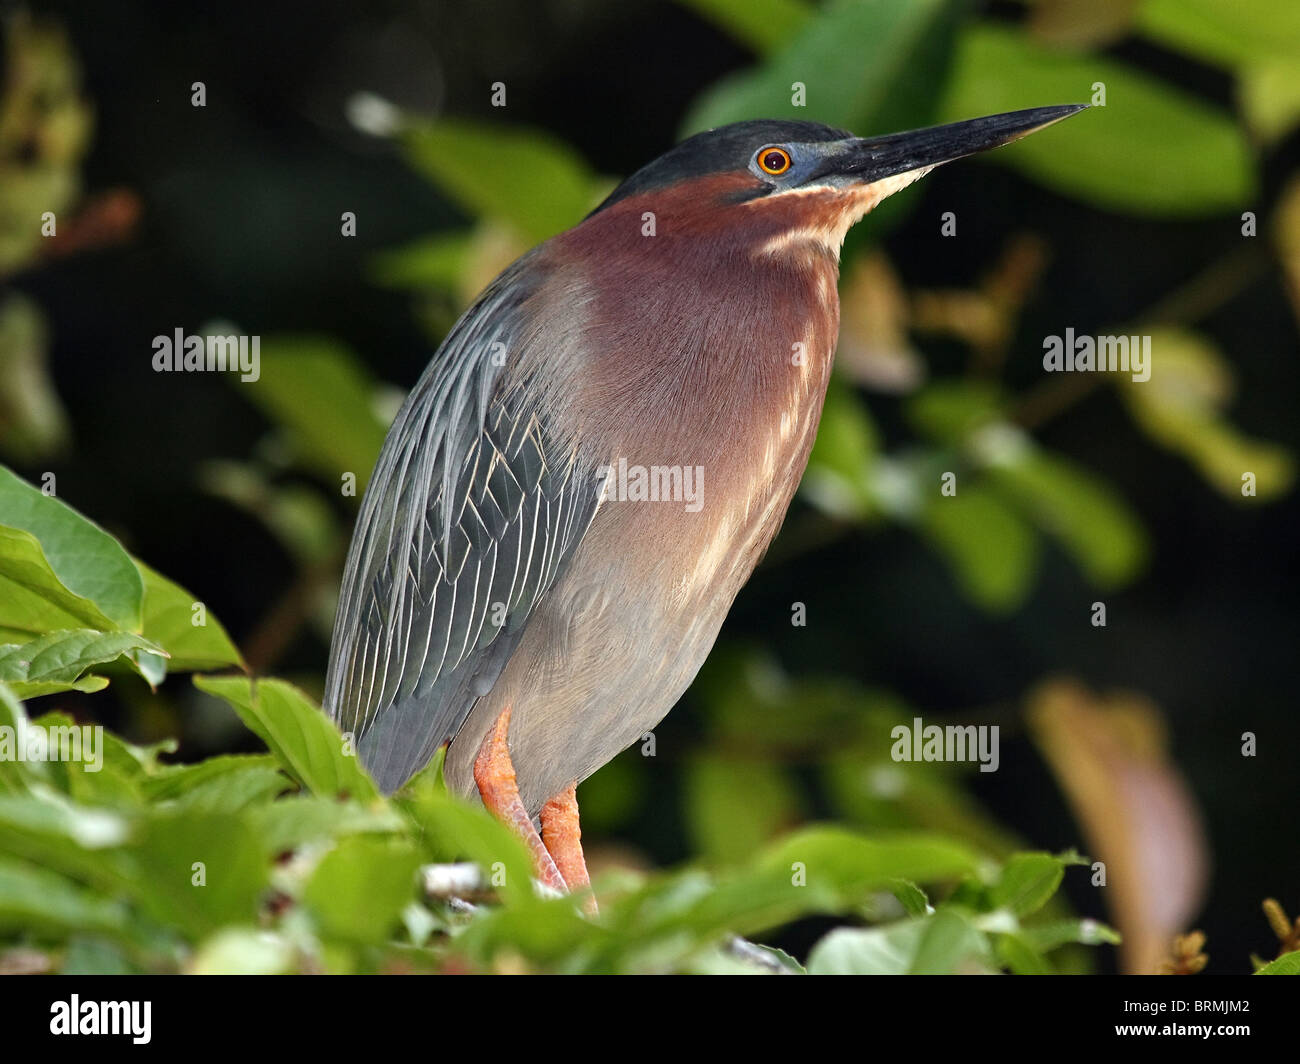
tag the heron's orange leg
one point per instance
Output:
(562, 835)
(495, 776)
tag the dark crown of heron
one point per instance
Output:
(780, 154)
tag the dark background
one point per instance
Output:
(240, 205)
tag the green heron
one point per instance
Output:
(512, 591)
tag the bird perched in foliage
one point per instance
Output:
(596, 458)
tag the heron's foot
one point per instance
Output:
(494, 774)
(562, 836)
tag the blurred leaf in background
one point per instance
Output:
(1110, 755)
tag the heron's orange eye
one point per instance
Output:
(774, 160)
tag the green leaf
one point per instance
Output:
(1231, 35)
(198, 872)
(1287, 964)
(839, 472)
(1015, 953)
(232, 791)
(88, 955)
(950, 411)
(523, 177)
(1027, 882)
(993, 552)
(911, 897)
(84, 558)
(360, 887)
(243, 951)
(1048, 936)
(56, 661)
(168, 622)
(942, 944)
(1269, 92)
(316, 389)
(735, 806)
(1152, 150)
(1180, 407)
(38, 900)
(13, 774)
(823, 869)
(298, 819)
(451, 830)
(32, 601)
(1079, 509)
(887, 80)
(436, 261)
(33, 422)
(303, 739)
(763, 25)
(170, 782)
(64, 836)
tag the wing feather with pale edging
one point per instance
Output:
(473, 510)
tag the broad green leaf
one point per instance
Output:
(849, 860)
(1229, 34)
(451, 830)
(1180, 407)
(524, 177)
(838, 479)
(942, 944)
(1287, 964)
(315, 388)
(1027, 882)
(950, 411)
(170, 782)
(1152, 150)
(106, 771)
(33, 422)
(911, 897)
(1269, 93)
(230, 792)
(36, 899)
(65, 836)
(950, 943)
(298, 819)
(91, 955)
(82, 826)
(297, 732)
(360, 887)
(436, 262)
(1079, 509)
(131, 761)
(763, 25)
(1015, 953)
(13, 774)
(86, 560)
(56, 661)
(32, 600)
(168, 621)
(886, 80)
(546, 932)
(243, 951)
(1048, 936)
(198, 872)
(736, 805)
(819, 869)
(992, 551)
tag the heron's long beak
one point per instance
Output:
(866, 160)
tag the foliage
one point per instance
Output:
(115, 860)
(290, 860)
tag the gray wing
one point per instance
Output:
(473, 510)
